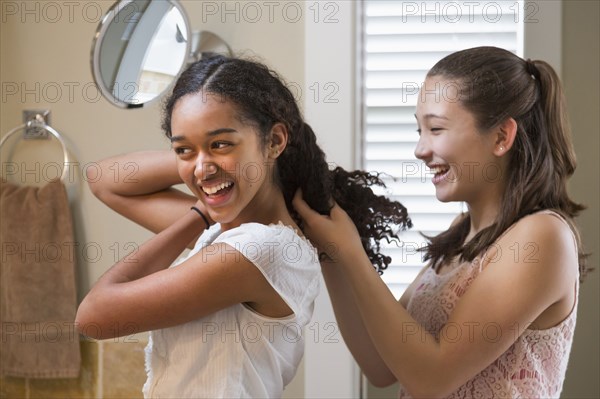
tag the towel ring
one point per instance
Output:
(38, 123)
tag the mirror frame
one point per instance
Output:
(110, 15)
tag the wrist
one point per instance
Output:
(202, 216)
(350, 256)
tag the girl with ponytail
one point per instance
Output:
(492, 314)
(226, 320)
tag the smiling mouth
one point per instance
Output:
(218, 189)
(439, 170)
(439, 173)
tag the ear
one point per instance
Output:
(505, 135)
(278, 140)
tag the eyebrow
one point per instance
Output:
(430, 116)
(212, 133)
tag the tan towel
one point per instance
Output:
(37, 283)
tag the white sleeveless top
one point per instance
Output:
(237, 352)
(535, 364)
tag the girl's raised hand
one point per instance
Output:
(334, 235)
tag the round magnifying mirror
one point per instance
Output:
(140, 47)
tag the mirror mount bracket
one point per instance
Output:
(205, 42)
(141, 47)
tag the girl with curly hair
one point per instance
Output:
(492, 314)
(226, 320)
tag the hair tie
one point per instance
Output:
(202, 215)
(532, 69)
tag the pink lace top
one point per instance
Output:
(533, 367)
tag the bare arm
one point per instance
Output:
(139, 186)
(509, 294)
(353, 328)
(141, 293)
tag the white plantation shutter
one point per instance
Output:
(401, 41)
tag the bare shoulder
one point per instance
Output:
(527, 281)
(215, 278)
(544, 233)
(541, 250)
(544, 221)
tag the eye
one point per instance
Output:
(181, 150)
(220, 145)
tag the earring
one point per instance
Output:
(501, 148)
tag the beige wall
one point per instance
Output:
(46, 56)
(581, 77)
(49, 63)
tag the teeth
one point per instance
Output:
(438, 169)
(214, 189)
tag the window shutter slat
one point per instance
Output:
(438, 41)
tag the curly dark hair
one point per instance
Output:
(262, 99)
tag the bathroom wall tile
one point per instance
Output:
(81, 388)
(12, 388)
(123, 372)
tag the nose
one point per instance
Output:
(205, 168)
(422, 150)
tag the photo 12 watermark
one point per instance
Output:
(256, 12)
(472, 12)
(44, 254)
(51, 12)
(65, 92)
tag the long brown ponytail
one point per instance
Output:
(496, 84)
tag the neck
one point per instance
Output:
(484, 211)
(267, 207)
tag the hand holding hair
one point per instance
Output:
(333, 235)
